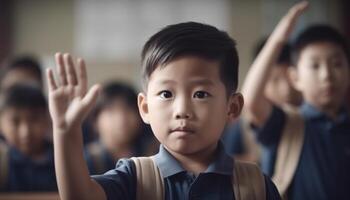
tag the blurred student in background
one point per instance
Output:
(26, 155)
(239, 137)
(121, 132)
(312, 142)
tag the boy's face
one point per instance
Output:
(24, 129)
(187, 106)
(118, 123)
(322, 75)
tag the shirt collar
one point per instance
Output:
(168, 165)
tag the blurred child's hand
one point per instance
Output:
(287, 23)
(69, 101)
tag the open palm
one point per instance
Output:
(69, 100)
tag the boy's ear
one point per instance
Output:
(143, 106)
(236, 103)
(294, 77)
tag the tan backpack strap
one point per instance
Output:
(248, 182)
(150, 183)
(3, 164)
(289, 150)
(95, 151)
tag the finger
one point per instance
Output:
(293, 14)
(51, 80)
(70, 69)
(82, 76)
(297, 9)
(61, 68)
(90, 98)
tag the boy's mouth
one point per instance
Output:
(183, 129)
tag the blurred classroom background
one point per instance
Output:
(109, 34)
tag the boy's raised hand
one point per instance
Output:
(258, 107)
(287, 23)
(69, 100)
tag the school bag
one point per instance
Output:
(248, 182)
(289, 150)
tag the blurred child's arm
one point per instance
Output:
(258, 108)
(69, 102)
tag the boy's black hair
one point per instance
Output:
(283, 58)
(315, 34)
(28, 63)
(192, 39)
(112, 91)
(22, 96)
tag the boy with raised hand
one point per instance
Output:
(320, 149)
(190, 73)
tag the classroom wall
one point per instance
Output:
(43, 27)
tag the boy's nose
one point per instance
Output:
(182, 116)
(326, 73)
(182, 109)
(24, 132)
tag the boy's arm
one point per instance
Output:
(258, 108)
(69, 102)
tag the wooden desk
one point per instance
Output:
(29, 196)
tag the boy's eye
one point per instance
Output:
(201, 94)
(165, 94)
(314, 66)
(15, 121)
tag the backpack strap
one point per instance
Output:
(248, 181)
(150, 183)
(3, 164)
(289, 150)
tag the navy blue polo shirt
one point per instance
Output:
(214, 183)
(28, 175)
(323, 171)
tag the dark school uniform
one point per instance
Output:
(323, 169)
(214, 183)
(28, 175)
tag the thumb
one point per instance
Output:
(90, 98)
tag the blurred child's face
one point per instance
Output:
(25, 129)
(187, 106)
(279, 89)
(118, 123)
(322, 75)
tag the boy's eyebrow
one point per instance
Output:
(332, 56)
